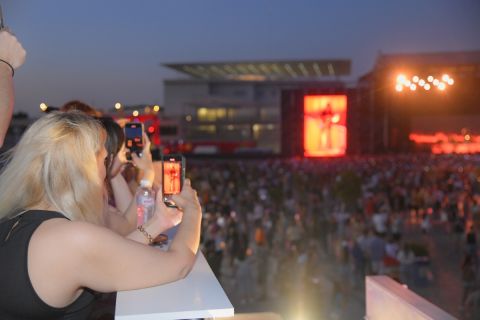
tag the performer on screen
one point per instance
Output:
(325, 128)
(173, 173)
(327, 118)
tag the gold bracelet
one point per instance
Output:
(146, 234)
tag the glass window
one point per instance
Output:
(201, 132)
(211, 114)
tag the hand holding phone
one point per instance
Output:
(133, 139)
(173, 176)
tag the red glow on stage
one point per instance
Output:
(441, 142)
(325, 130)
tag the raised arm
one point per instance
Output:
(12, 56)
(123, 218)
(112, 263)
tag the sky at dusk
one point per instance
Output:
(106, 51)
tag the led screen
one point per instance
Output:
(325, 130)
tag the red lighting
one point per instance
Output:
(442, 142)
(325, 131)
(151, 129)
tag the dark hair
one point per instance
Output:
(80, 106)
(114, 140)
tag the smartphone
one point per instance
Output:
(173, 175)
(133, 138)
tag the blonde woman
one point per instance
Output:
(52, 252)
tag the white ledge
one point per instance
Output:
(199, 295)
(387, 299)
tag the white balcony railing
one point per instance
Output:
(387, 299)
(199, 295)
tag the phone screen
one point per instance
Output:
(134, 137)
(173, 173)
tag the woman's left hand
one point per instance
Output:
(168, 217)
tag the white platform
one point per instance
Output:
(199, 295)
(387, 299)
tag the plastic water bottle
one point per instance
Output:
(145, 198)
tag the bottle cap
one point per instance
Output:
(145, 183)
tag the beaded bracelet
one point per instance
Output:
(146, 234)
(8, 64)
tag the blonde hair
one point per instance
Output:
(55, 163)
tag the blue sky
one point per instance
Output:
(107, 51)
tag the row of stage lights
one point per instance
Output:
(136, 113)
(416, 82)
(118, 106)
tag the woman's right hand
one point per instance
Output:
(144, 161)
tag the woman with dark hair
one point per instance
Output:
(121, 213)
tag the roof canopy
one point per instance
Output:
(265, 70)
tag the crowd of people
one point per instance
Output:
(271, 221)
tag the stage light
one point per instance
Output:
(430, 79)
(399, 88)
(135, 113)
(467, 137)
(441, 86)
(413, 87)
(156, 108)
(445, 77)
(415, 78)
(407, 83)
(426, 87)
(436, 82)
(421, 82)
(118, 106)
(43, 106)
(450, 81)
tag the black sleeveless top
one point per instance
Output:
(18, 299)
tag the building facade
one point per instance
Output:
(236, 107)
